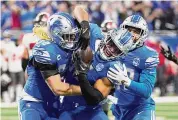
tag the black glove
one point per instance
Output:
(85, 34)
(79, 65)
(167, 53)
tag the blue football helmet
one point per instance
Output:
(118, 42)
(138, 22)
(63, 30)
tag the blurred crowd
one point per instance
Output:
(17, 19)
(160, 15)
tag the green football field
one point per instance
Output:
(164, 111)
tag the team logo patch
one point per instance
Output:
(136, 61)
(99, 67)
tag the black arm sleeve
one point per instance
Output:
(46, 70)
(91, 95)
(24, 63)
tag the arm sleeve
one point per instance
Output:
(45, 61)
(24, 63)
(147, 78)
(91, 94)
(46, 70)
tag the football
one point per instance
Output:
(87, 55)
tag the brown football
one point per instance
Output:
(87, 55)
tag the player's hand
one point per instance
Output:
(79, 65)
(85, 34)
(119, 74)
(167, 53)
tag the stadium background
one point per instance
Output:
(162, 17)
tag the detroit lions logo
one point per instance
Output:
(99, 67)
(136, 61)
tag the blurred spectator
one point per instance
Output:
(27, 15)
(15, 69)
(162, 15)
(97, 16)
(110, 13)
(140, 7)
(175, 7)
(123, 10)
(4, 78)
(15, 16)
(176, 76)
(63, 6)
(5, 17)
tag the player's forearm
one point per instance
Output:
(80, 14)
(92, 95)
(141, 89)
(73, 90)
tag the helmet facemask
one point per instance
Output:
(117, 43)
(139, 25)
(108, 49)
(70, 40)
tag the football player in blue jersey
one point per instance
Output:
(48, 64)
(137, 76)
(94, 84)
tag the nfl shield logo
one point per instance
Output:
(136, 61)
(99, 67)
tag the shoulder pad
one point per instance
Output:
(45, 53)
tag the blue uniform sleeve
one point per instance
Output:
(95, 36)
(44, 56)
(147, 78)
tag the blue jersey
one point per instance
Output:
(141, 65)
(47, 53)
(98, 68)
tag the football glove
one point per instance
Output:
(119, 74)
(167, 53)
(79, 66)
(85, 34)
